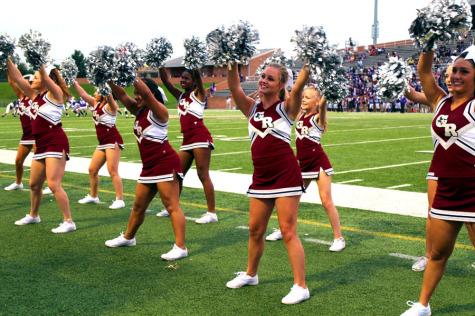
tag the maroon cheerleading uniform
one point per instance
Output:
(50, 139)
(310, 154)
(454, 161)
(106, 131)
(27, 138)
(276, 171)
(195, 133)
(159, 160)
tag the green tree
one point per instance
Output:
(80, 61)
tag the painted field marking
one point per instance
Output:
(384, 167)
(230, 169)
(318, 241)
(399, 186)
(191, 218)
(232, 153)
(350, 181)
(376, 141)
(274, 217)
(376, 128)
(8, 171)
(242, 227)
(425, 151)
(403, 256)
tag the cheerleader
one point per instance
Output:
(453, 130)
(161, 170)
(27, 140)
(276, 181)
(197, 141)
(104, 115)
(47, 92)
(419, 97)
(313, 161)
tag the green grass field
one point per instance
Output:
(46, 274)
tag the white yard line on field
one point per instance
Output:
(318, 241)
(399, 186)
(375, 128)
(403, 256)
(376, 141)
(230, 169)
(242, 227)
(425, 151)
(231, 153)
(384, 167)
(344, 195)
(350, 181)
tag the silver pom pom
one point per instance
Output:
(69, 71)
(233, 45)
(157, 51)
(219, 49)
(127, 60)
(311, 43)
(104, 89)
(195, 53)
(393, 78)
(36, 48)
(243, 40)
(331, 76)
(277, 57)
(440, 21)
(100, 65)
(7, 48)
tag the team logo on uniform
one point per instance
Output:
(450, 128)
(34, 110)
(96, 116)
(304, 130)
(266, 120)
(138, 131)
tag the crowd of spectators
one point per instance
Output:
(362, 94)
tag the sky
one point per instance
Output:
(86, 24)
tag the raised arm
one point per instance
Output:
(165, 77)
(200, 92)
(83, 94)
(431, 89)
(15, 88)
(127, 101)
(54, 91)
(113, 106)
(15, 76)
(243, 102)
(322, 114)
(159, 110)
(295, 99)
(416, 96)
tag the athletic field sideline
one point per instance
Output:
(76, 274)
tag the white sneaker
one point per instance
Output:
(89, 199)
(47, 190)
(163, 213)
(338, 245)
(417, 309)
(296, 295)
(28, 219)
(420, 264)
(207, 218)
(241, 280)
(14, 186)
(175, 254)
(64, 227)
(121, 241)
(275, 235)
(117, 204)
